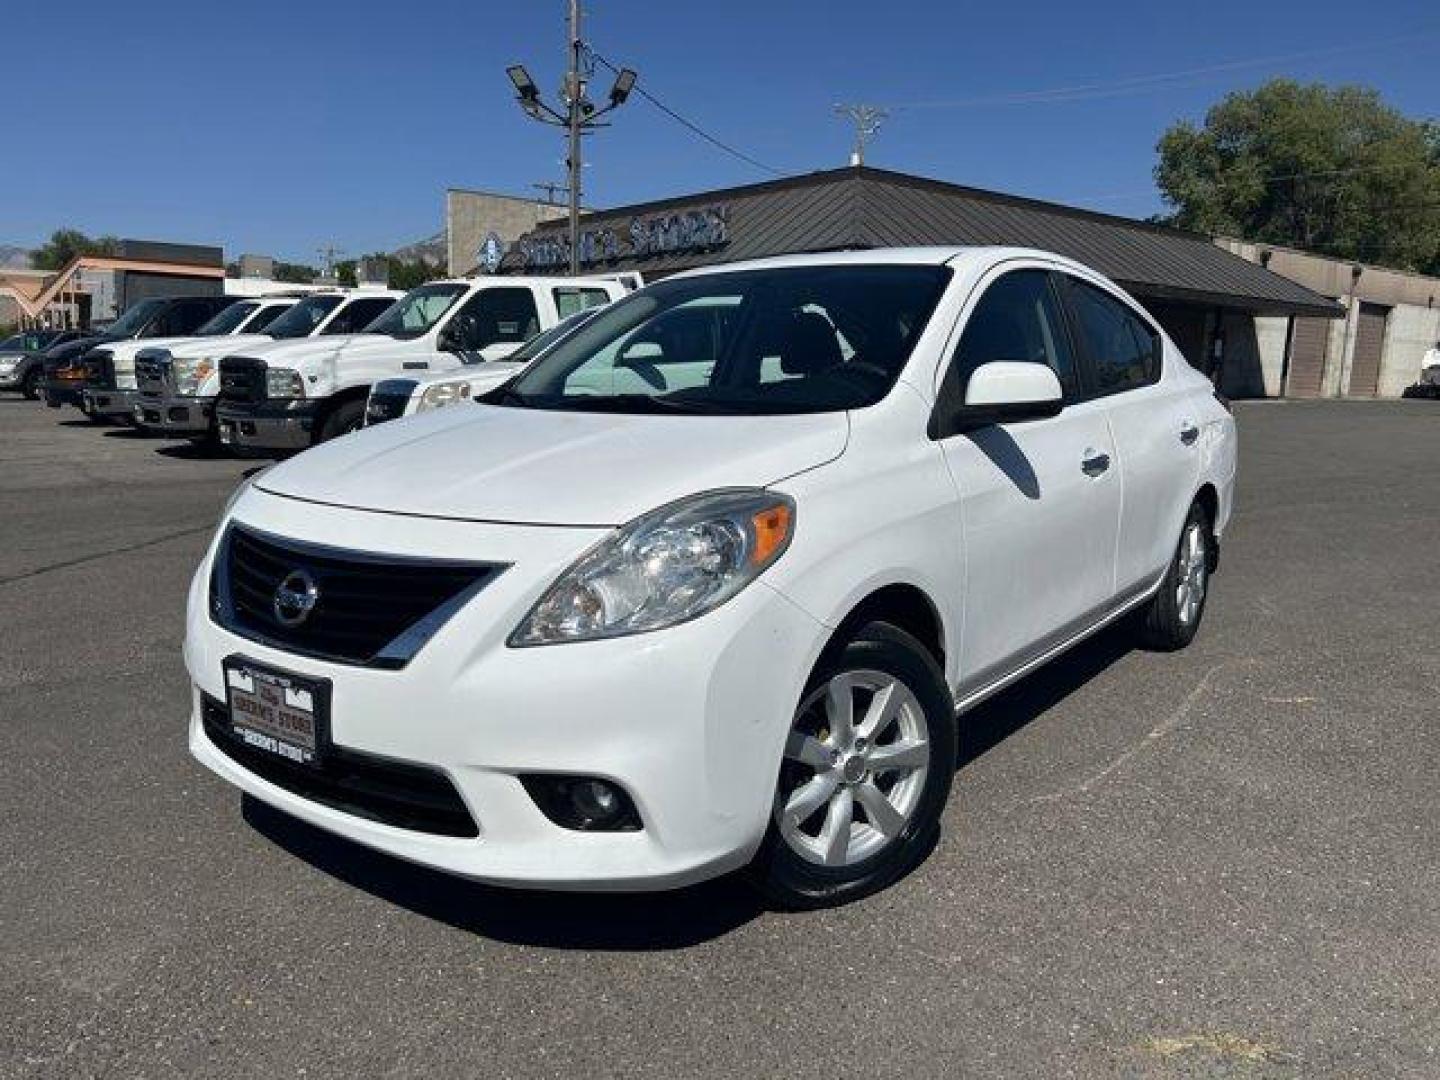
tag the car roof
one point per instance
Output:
(891, 256)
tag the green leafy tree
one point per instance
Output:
(67, 244)
(1335, 171)
(295, 273)
(405, 274)
(345, 273)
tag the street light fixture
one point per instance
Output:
(577, 116)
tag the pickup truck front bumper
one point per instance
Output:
(190, 417)
(269, 425)
(100, 401)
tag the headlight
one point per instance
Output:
(190, 373)
(283, 383)
(442, 394)
(664, 568)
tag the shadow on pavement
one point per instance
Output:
(193, 451)
(993, 721)
(614, 921)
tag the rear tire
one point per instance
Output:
(1172, 617)
(346, 417)
(860, 793)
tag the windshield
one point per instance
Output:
(302, 319)
(417, 311)
(226, 321)
(134, 319)
(798, 339)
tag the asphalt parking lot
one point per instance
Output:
(1224, 862)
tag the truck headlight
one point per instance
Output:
(664, 568)
(189, 373)
(283, 383)
(442, 394)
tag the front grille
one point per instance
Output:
(150, 375)
(371, 610)
(388, 400)
(100, 369)
(242, 380)
(378, 789)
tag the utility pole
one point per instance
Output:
(575, 95)
(578, 117)
(867, 120)
(327, 257)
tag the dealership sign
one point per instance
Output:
(656, 234)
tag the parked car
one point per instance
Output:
(65, 365)
(177, 383)
(390, 399)
(22, 358)
(642, 617)
(309, 391)
(110, 383)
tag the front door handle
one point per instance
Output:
(1094, 463)
(1189, 432)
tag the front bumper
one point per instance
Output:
(60, 392)
(102, 401)
(287, 425)
(690, 721)
(175, 415)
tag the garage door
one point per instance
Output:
(1369, 342)
(1308, 342)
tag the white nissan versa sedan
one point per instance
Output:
(666, 605)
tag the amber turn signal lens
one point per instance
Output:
(772, 532)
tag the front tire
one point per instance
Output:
(31, 386)
(1172, 617)
(346, 417)
(865, 776)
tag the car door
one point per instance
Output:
(1040, 499)
(493, 323)
(1152, 421)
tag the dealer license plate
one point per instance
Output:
(277, 712)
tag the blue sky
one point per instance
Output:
(279, 127)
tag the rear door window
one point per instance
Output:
(572, 299)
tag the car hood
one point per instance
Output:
(488, 463)
(213, 346)
(123, 353)
(298, 350)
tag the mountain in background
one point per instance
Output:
(431, 249)
(14, 258)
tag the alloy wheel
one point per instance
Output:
(849, 787)
(1191, 570)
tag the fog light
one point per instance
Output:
(584, 803)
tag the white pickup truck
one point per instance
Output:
(305, 392)
(177, 382)
(110, 389)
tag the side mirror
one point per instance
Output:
(1002, 392)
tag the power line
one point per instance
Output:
(691, 125)
(1143, 83)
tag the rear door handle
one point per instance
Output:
(1094, 463)
(1189, 432)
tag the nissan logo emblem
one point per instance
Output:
(295, 598)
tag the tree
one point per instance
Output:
(295, 273)
(407, 275)
(1335, 171)
(65, 245)
(345, 273)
